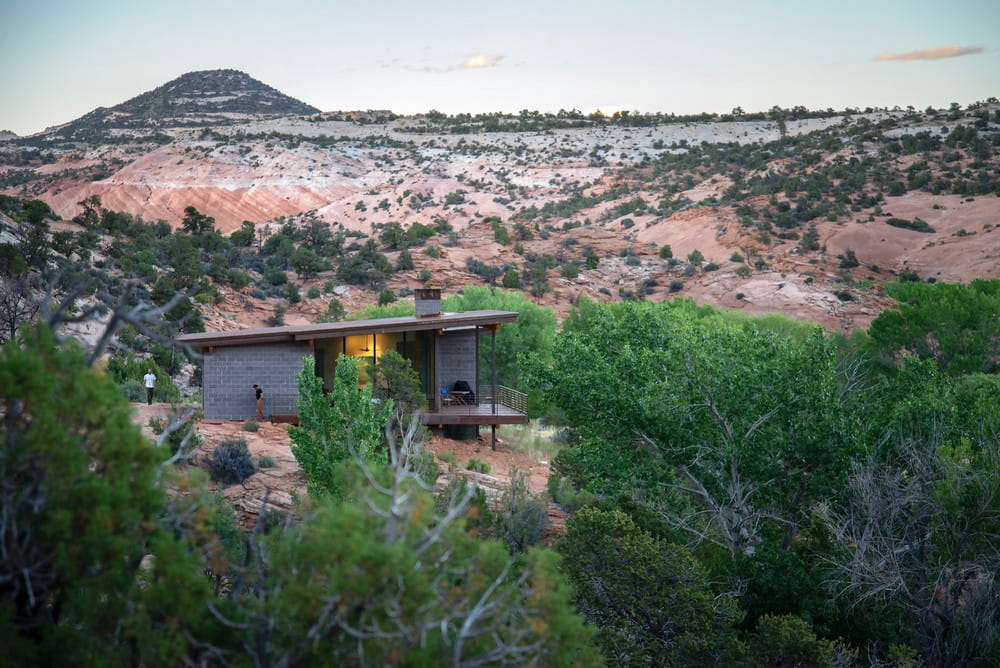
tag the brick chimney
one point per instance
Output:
(427, 301)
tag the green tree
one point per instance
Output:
(787, 642)
(365, 267)
(386, 577)
(330, 433)
(533, 332)
(958, 326)
(196, 223)
(648, 598)
(307, 263)
(397, 381)
(12, 262)
(701, 418)
(78, 478)
(334, 311)
(244, 236)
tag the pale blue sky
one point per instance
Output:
(60, 59)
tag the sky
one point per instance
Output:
(60, 59)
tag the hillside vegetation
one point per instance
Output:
(741, 487)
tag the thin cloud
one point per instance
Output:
(480, 60)
(951, 51)
(476, 61)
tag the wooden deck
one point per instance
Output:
(473, 414)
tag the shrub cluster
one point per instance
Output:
(230, 462)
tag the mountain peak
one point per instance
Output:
(206, 97)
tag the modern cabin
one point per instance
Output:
(444, 349)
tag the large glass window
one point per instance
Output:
(367, 348)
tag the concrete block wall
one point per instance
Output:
(456, 359)
(230, 372)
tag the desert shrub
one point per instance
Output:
(511, 279)
(126, 369)
(666, 252)
(405, 261)
(176, 437)
(335, 311)
(266, 462)
(786, 640)
(917, 225)
(477, 465)
(275, 276)
(238, 279)
(313, 292)
(387, 296)
(278, 319)
(676, 285)
(566, 464)
(570, 270)
(567, 496)
(133, 390)
(633, 261)
(250, 425)
(744, 271)
(521, 519)
(448, 458)
(711, 266)
(424, 465)
(500, 233)
(480, 520)
(849, 260)
(230, 462)
(736, 257)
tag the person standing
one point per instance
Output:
(259, 393)
(149, 380)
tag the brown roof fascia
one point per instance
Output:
(303, 333)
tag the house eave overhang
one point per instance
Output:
(329, 330)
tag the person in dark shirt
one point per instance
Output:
(259, 393)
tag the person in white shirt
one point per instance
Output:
(149, 380)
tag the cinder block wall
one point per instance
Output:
(231, 371)
(456, 359)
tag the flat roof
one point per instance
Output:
(329, 330)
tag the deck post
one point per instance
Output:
(493, 428)
(493, 364)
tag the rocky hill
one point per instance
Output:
(789, 210)
(195, 99)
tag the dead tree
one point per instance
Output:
(922, 533)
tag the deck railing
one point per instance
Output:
(512, 399)
(456, 402)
